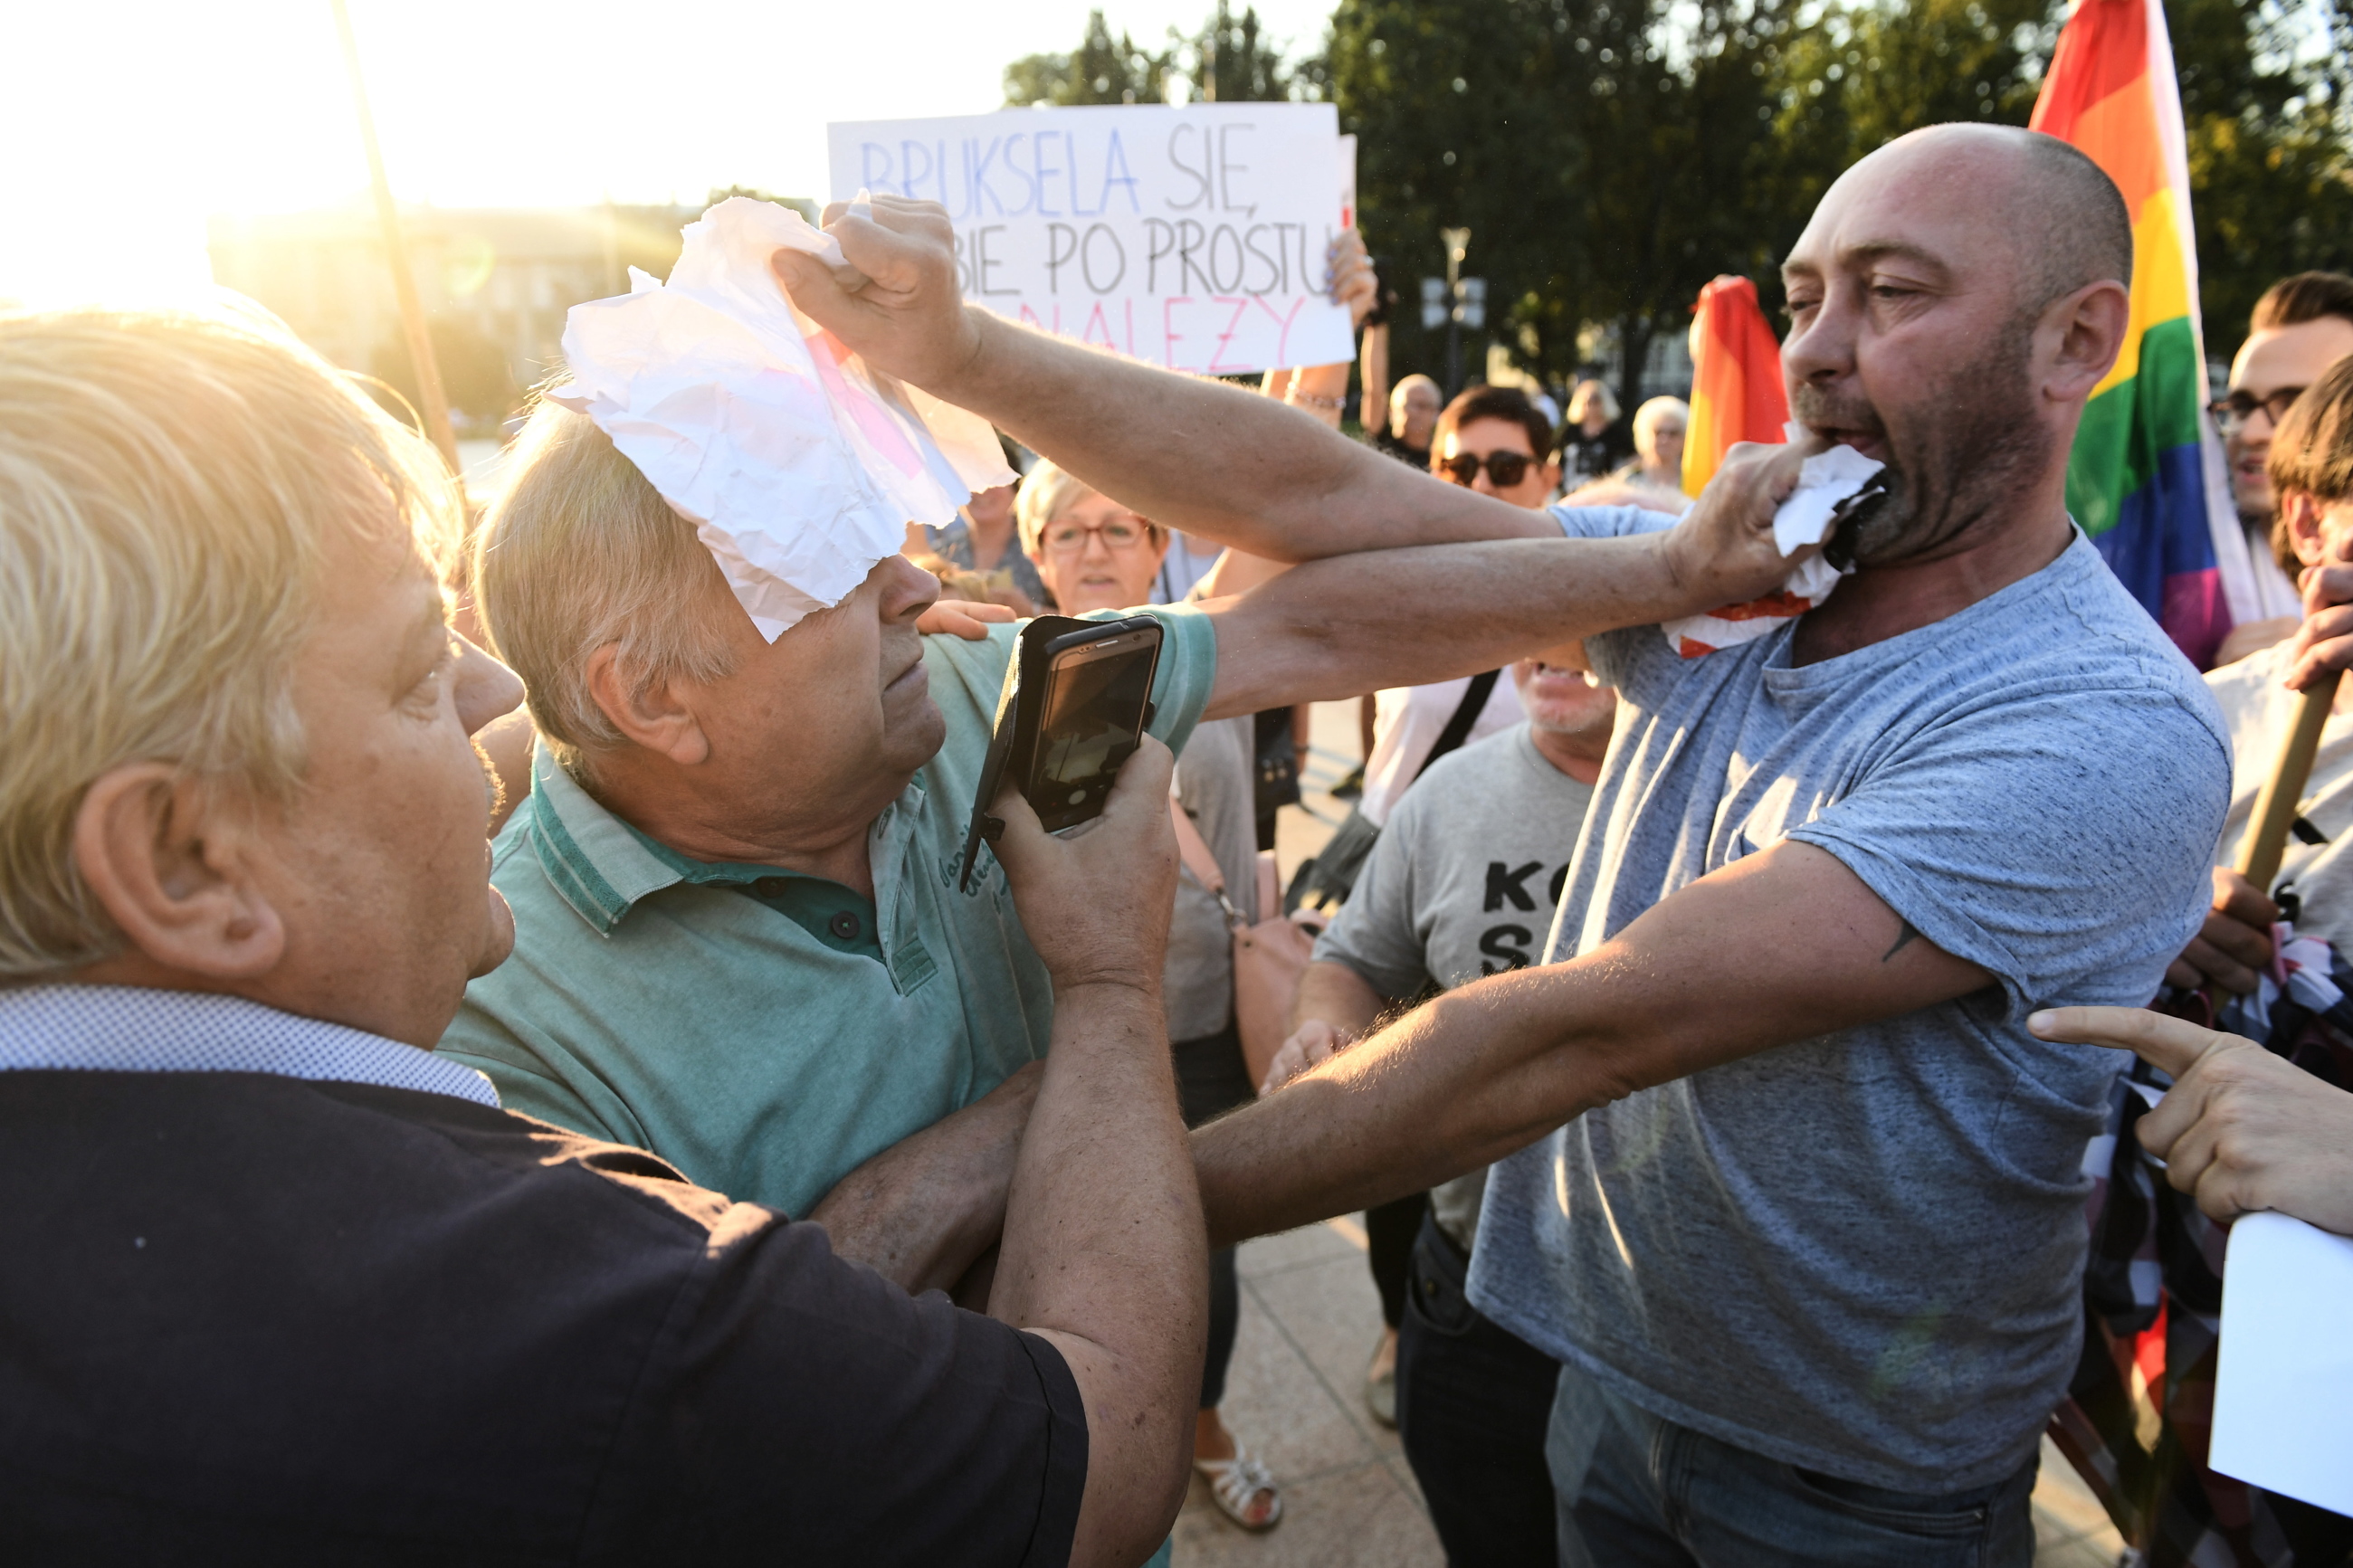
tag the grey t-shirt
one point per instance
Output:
(1459, 885)
(1214, 785)
(1862, 1253)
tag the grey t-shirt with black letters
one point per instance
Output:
(1461, 885)
(1861, 1253)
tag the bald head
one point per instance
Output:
(2058, 211)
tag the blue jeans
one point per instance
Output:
(1638, 1492)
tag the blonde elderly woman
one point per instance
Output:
(1657, 470)
(1592, 441)
(1093, 554)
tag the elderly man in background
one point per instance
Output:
(1413, 417)
(1593, 442)
(2300, 327)
(1787, 1185)
(282, 1285)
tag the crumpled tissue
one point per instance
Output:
(1824, 480)
(800, 465)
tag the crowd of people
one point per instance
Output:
(620, 1133)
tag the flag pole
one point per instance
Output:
(2275, 805)
(436, 409)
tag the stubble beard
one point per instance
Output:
(1973, 456)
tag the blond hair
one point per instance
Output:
(1591, 394)
(1049, 490)
(170, 486)
(579, 552)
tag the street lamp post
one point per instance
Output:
(1456, 302)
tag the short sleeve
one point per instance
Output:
(1613, 653)
(801, 1408)
(1188, 671)
(1374, 934)
(1977, 832)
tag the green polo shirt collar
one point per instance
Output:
(603, 867)
(596, 863)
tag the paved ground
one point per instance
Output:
(1309, 1322)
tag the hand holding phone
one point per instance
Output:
(1074, 708)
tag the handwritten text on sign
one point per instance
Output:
(1192, 237)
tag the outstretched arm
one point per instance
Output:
(1195, 453)
(1701, 978)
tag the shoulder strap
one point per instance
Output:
(1458, 728)
(1195, 850)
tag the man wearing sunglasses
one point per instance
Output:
(2300, 327)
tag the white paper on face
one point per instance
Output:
(2284, 1379)
(1824, 480)
(800, 465)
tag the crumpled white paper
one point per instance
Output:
(800, 465)
(1824, 480)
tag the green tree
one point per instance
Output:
(1226, 60)
(1101, 71)
(2271, 149)
(1457, 110)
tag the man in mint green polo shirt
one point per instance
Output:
(740, 944)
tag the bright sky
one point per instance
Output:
(126, 124)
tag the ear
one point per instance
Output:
(2300, 514)
(2084, 333)
(1551, 472)
(656, 718)
(175, 866)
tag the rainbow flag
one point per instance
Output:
(1737, 393)
(2139, 480)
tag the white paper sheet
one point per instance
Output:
(1825, 480)
(799, 465)
(2283, 1381)
(1190, 237)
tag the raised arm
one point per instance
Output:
(1195, 453)
(1103, 1252)
(1701, 978)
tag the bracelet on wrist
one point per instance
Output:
(1312, 401)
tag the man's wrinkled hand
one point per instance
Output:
(1723, 551)
(921, 1212)
(2242, 1129)
(2233, 948)
(1095, 900)
(964, 619)
(905, 316)
(1314, 1043)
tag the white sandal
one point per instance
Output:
(1234, 1482)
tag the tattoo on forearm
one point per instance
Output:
(1903, 940)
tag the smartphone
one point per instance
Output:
(1076, 699)
(1097, 696)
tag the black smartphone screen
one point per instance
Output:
(1095, 699)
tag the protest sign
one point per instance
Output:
(1189, 236)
